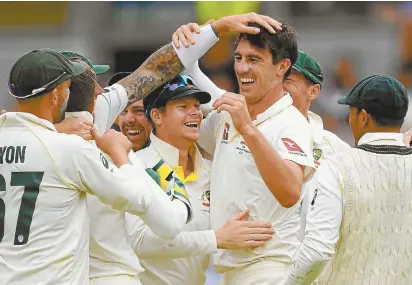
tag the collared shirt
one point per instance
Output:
(46, 225)
(326, 213)
(325, 145)
(237, 184)
(111, 253)
(156, 254)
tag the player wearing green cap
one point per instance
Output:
(45, 176)
(360, 216)
(304, 85)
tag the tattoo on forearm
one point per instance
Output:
(159, 68)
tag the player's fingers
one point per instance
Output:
(259, 237)
(257, 224)
(187, 31)
(248, 30)
(194, 27)
(258, 231)
(242, 215)
(175, 40)
(252, 244)
(87, 136)
(95, 133)
(272, 22)
(224, 107)
(254, 18)
(182, 37)
(211, 22)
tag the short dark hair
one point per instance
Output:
(82, 91)
(383, 122)
(283, 44)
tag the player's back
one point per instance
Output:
(44, 227)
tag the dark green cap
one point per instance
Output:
(98, 69)
(309, 67)
(380, 95)
(39, 72)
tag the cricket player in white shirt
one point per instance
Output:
(304, 84)
(43, 215)
(361, 217)
(109, 265)
(262, 149)
(103, 253)
(175, 114)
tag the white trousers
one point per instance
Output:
(265, 272)
(116, 280)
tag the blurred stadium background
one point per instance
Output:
(351, 40)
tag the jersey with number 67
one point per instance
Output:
(44, 178)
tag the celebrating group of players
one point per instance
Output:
(82, 203)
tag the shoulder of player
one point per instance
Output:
(148, 156)
(75, 143)
(336, 143)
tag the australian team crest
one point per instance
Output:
(317, 154)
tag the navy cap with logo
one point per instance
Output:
(39, 72)
(179, 87)
(380, 95)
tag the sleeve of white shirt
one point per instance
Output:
(295, 143)
(205, 84)
(204, 41)
(146, 244)
(208, 131)
(129, 189)
(109, 105)
(322, 226)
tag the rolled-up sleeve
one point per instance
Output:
(324, 218)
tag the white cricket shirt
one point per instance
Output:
(156, 254)
(325, 144)
(44, 178)
(236, 184)
(360, 257)
(110, 251)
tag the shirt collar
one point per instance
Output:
(170, 154)
(82, 114)
(382, 139)
(16, 118)
(316, 124)
(275, 109)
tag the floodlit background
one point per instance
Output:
(351, 40)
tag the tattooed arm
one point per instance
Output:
(159, 68)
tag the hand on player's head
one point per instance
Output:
(239, 24)
(111, 142)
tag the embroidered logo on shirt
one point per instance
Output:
(205, 200)
(317, 154)
(225, 137)
(243, 148)
(293, 147)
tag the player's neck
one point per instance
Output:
(186, 162)
(39, 110)
(257, 107)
